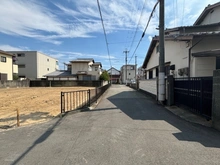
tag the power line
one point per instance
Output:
(104, 32)
(142, 10)
(151, 15)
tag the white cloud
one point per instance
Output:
(12, 48)
(81, 18)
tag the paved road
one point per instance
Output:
(126, 128)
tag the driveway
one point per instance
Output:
(125, 128)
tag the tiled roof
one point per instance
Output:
(59, 73)
(78, 60)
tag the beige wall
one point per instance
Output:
(212, 17)
(6, 67)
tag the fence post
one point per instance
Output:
(170, 90)
(62, 102)
(18, 117)
(201, 96)
(96, 94)
(89, 97)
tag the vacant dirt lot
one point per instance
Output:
(34, 104)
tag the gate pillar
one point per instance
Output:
(216, 100)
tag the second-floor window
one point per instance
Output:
(21, 66)
(3, 59)
(20, 54)
(96, 68)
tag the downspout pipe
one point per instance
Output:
(189, 59)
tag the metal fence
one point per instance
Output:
(195, 94)
(80, 99)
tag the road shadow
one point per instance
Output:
(141, 107)
(39, 140)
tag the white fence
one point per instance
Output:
(149, 86)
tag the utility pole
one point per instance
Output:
(135, 68)
(161, 83)
(126, 60)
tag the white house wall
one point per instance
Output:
(36, 64)
(204, 66)
(80, 67)
(212, 17)
(176, 52)
(45, 65)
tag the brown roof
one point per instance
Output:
(5, 53)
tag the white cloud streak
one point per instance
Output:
(74, 19)
(12, 48)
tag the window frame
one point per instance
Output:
(3, 59)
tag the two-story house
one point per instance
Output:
(33, 64)
(8, 67)
(78, 69)
(115, 75)
(190, 51)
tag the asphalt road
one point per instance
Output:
(126, 128)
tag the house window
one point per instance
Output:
(150, 74)
(96, 68)
(21, 66)
(48, 69)
(158, 48)
(20, 54)
(48, 60)
(132, 68)
(3, 59)
(57, 63)
(129, 73)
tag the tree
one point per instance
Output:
(104, 76)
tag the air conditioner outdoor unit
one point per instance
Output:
(186, 71)
(183, 71)
(180, 72)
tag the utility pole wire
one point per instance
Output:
(142, 10)
(151, 15)
(104, 32)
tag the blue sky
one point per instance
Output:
(71, 29)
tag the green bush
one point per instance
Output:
(104, 76)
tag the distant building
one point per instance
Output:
(33, 64)
(130, 73)
(8, 67)
(141, 73)
(78, 69)
(115, 75)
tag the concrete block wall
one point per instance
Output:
(216, 100)
(149, 86)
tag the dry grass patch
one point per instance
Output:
(35, 104)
